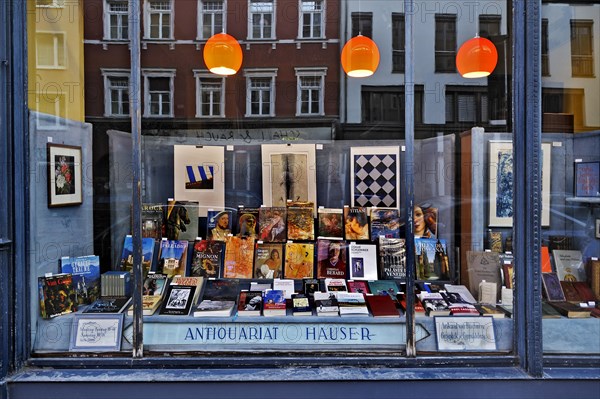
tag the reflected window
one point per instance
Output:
(209, 96)
(466, 104)
(49, 3)
(116, 93)
(116, 20)
(545, 58)
(50, 50)
(445, 43)
(212, 16)
(362, 23)
(158, 16)
(489, 25)
(311, 17)
(261, 19)
(260, 94)
(582, 44)
(398, 43)
(310, 92)
(386, 104)
(158, 93)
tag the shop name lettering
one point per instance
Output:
(288, 334)
(250, 136)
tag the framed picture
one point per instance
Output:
(375, 176)
(289, 173)
(96, 332)
(587, 179)
(64, 175)
(500, 183)
(199, 175)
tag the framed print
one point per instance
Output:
(289, 173)
(587, 179)
(96, 332)
(500, 183)
(375, 176)
(64, 175)
(199, 175)
(465, 333)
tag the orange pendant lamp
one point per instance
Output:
(476, 58)
(223, 54)
(360, 57)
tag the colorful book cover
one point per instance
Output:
(218, 224)
(363, 261)
(385, 222)
(331, 258)
(56, 295)
(181, 218)
(250, 303)
(268, 260)
(172, 258)
(310, 286)
(152, 220)
(300, 223)
(392, 258)
(221, 289)
(299, 260)
(147, 254)
(358, 286)
(552, 288)
(274, 303)
(155, 284)
(546, 264)
(356, 223)
(86, 276)
(431, 258)
(207, 258)
(272, 224)
(384, 287)
(247, 222)
(239, 256)
(330, 222)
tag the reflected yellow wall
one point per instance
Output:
(55, 58)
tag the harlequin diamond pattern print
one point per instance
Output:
(374, 180)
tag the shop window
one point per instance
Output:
(311, 16)
(386, 104)
(158, 94)
(582, 48)
(466, 105)
(489, 25)
(261, 20)
(445, 43)
(310, 92)
(211, 18)
(209, 95)
(362, 24)
(159, 19)
(545, 60)
(50, 50)
(398, 43)
(260, 93)
(116, 93)
(116, 20)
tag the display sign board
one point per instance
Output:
(469, 334)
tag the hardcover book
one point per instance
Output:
(482, 266)
(352, 304)
(384, 287)
(190, 282)
(285, 285)
(326, 304)
(180, 220)
(274, 303)
(585, 292)
(359, 286)
(546, 264)
(552, 288)
(86, 276)
(434, 304)
(149, 305)
(301, 305)
(331, 258)
(207, 258)
(382, 306)
(172, 258)
(179, 300)
(239, 256)
(310, 286)
(268, 260)
(155, 284)
(330, 222)
(490, 311)
(299, 260)
(569, 265)
(250, 303)
(392, 258)
(431, 258)
(571, 310)
(147, 254)
(385, 222)
(548, 312)
(152, 216)
(115, 283)
(56, 295)
(335, 285)
(210, 308)
(272, 224)
(219, 298)
(356, 223)
(593, 273)
(300, 223)
(247, 222)
(419, 309)
(462, 290)
(218, 224)
(108, 304)
(363, 261)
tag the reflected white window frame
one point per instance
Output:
(52, 4)
(158, 73)
(213, 13)
(107, 20)
(149, 11)
(261, 73)
(318, 73)
(199, 76)
(107, 75)
(56, 121)
(271, 11)
(58, 39)
(311, 13)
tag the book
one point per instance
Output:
(326, 304)
(331, 258)
(300, 223)
(360, 286)
(299, 260)
(560, 242)
(268, 260)
(382, 306)
(221, 289)
(126, 261)
(301, 305)
(85, 271)
(239, 257)
(155, 284)
(272, 224)
(546, 263)
(548, 312)
(330, 222)
(172, 257)
(508, 275)
(190, 282)
(335, 285)
(462, 290)
(392, 258)
(310, 286)
(152, 215)
(108, 304)
(149, 305)
(247, 222)
(214, 308)
(593, 274)
(463, 310)
(363, 261)
(356, 224)
(260, 286)
(569, 265)
(56, 295)
(553, 291)
(274, 303)
(585, 292)
(482, 266)
(434, 304)
(507, 309)
(218, 224)
(250, 303)
(352, 304)
(181, 220)
(384, 287)
(207, 258)
(490, 311)
(179, 300)
(431, 258)
(571, 310)
(418, 306)
(488, 292)
(285, 285)
(385, 222)
(115, 283)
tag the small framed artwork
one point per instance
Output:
(587, 179)
(96, 332)
(64, 175)
(375, 176)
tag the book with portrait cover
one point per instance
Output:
(179, 300)
(239, 257)
(247, 222)
(300, 223)
(250, 303)
(331, 258)
(330, 222)
(392, 258)
(385, 222)
(56, 295)
(207, 258)
(86, 276)
(310, 286)
(363, 261)
(356, 223)
(152, 215)
(299, 260)
(272, 224)
(172, 258)
(147, 254)
(218, 224)
(268, 260)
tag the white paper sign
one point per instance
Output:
(465, 333)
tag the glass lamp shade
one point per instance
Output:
(360, 57)
(223, 54)
(476, 58)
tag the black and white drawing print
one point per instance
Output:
(375, 175)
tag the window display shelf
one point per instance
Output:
(584, 200)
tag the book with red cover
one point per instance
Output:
(571, 293)
(419, 309)
(585, 292)
(546, 264)
(382, 306)
(358, 286)
(239, 257)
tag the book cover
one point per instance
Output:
(585, 292)
(463, 310)
(247, 222)
(490, 311)
(285, 285)
(326, 304)
(301, 305)
(384, 287)
(221, 289)
(218, 224)
(56, 295)
(300, 223)
(462, 290)
(155, 284)
(546, 264)
(179, 300)
(382, 306)
(335, 285)
(352, 304)
(191, 282)
(250, 303)
(207, 258)
(86, 276)
(593, 274)
(299, 260)
(362, 261)
(127, 254)
(548, 312)
(181, 220)
(434, 304)
(552, 288)
(268, 260)
(482, 266)
(310, 286)
(571, 310)
(331, 258)
(152, 216)
(392, 258)
(508, 275)
(385, 222)
(330, 222)
(172, 258)
(108, 304)
(569, 265)
(272, 224)
(356, 223)
(359, 286)
(239, 256)
(150, 303)
(418, 306)
(274, 303)
(431, 258)
(210, 308)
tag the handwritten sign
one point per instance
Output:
(465, 333)
(96, 333)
